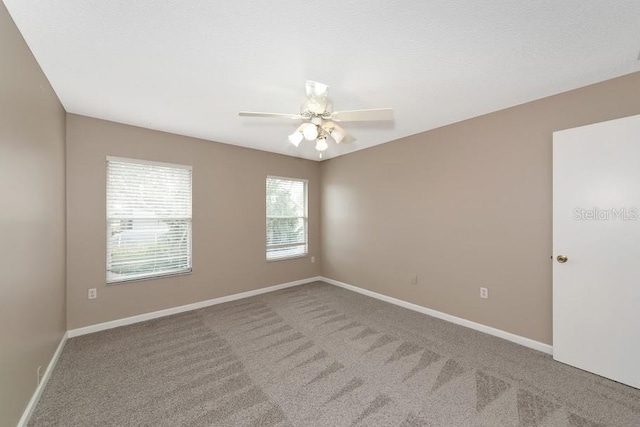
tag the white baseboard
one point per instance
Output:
(181, 309)
(26, 415)
(527, 342)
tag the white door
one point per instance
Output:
(596, 225)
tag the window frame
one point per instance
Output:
(305, 220)
(106, 199)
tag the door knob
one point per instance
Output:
(562, 259)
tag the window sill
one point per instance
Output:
(141, 279)
(289, 257)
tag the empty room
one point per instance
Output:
(322, 214)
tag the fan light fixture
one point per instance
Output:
(317, 112)
(321, 144)
(336, 132)
(310, 132)
(297, 137)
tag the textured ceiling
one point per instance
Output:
(189, 67)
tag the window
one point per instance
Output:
(148, 219)
(286, 218)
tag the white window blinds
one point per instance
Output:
(286, 218)
(148, 219)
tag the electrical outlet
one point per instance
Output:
(414, 279)
(313, 259)
(484, 293)
(93, 293)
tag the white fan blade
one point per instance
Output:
(316, 90)
(276, 115)
(362, 115)
(317, 97)
(348, 139)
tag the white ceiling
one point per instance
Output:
(188, 67)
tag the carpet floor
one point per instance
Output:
(319, 355)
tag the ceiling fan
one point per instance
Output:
(319, 117)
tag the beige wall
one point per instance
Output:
(32, 221)
(463, 206)
(228, 220)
